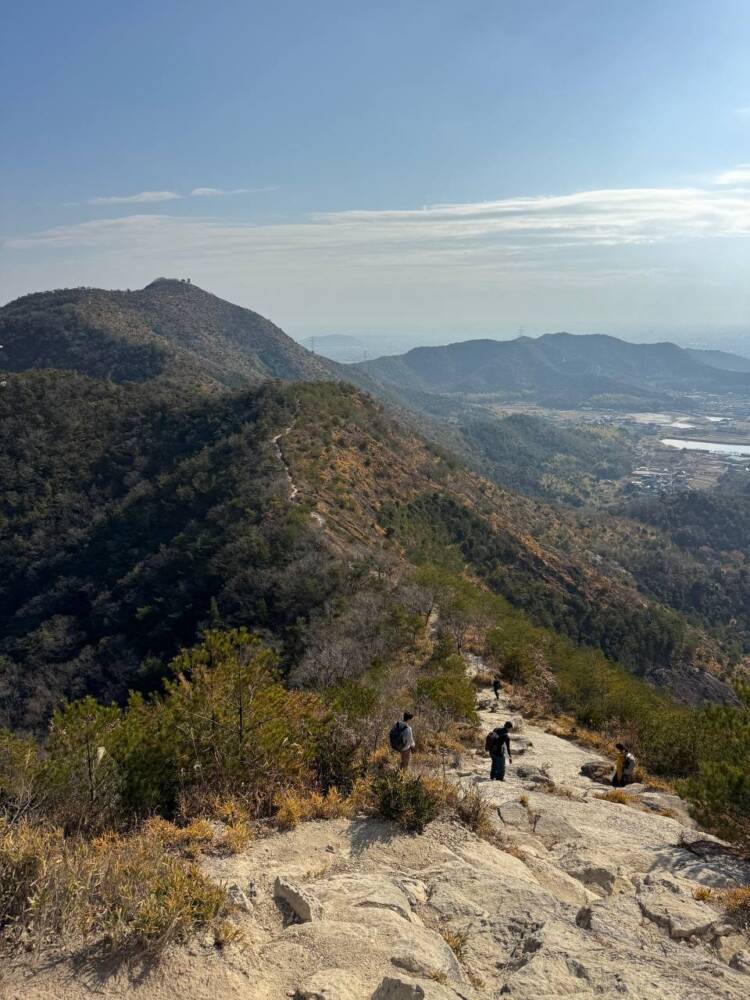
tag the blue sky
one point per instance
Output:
(460, 167)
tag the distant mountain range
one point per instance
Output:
(563, 368)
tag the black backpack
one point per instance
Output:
(397, 736)
(492, 743)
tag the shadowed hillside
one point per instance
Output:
(170, 328)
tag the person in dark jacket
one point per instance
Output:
(498, 748)
(497, 688)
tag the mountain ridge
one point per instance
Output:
(168, 329)
(554, 367)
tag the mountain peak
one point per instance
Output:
(169, 328)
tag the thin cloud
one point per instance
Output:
(739, 175)
(505, 231)
(743, 112)
(154, 197)
(142, 198)
(209, 192)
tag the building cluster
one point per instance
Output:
(650, 479)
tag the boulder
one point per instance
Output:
(363, 890)
(681, 917)
(400, 988)
(330, 984)
(302, 903)
(597, 770)
(593, 870)
(414, 889)
(741, 962)
(533, 775)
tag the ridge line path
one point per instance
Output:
(594, 899)
(294, 490)
(276, 441)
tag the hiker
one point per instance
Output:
(624, 767)
(496, 688)
(402, 740)
(497, 745)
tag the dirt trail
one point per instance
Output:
(293, 488)
(276, 441)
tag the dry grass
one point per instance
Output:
(456, 940)
(471, 808)
(190, 839)
(293, 808)
(702, 894)
(235, 839)
(559, 790)
(524, 800)
(126, 893)
(736, 903)
(482, 679)
(618, 796)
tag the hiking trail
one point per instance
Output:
(591, 899)
(293, 489)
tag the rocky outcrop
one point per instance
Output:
(573, 896)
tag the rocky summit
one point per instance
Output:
(587, 898)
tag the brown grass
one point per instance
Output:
(127, 893)
(294, 807)
(736, 903)
(617, 795)
(482, 679)
(456, 940)
(189, 840)
(559, 790)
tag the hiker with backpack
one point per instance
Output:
(402, 740)
(624, 767)
(497, 745)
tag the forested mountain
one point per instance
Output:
(557, 368)
(169, 329)
(531, 455)
(131, 519)
(137, 508)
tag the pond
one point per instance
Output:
(719, 447)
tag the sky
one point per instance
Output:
(446, 169)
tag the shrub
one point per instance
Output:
(472, 810)
(20, 775)
(445, 686)
(82, 776)
(737, 906)
(456, 940)
(128, 892)
(410, 802)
